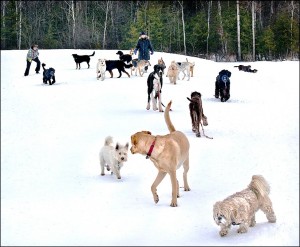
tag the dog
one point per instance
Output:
(167, 152)
(139, 65)
(119, 65)
(113, 157)
(196, 112)
(240, 208)
(192, 65)
(246, 68)
(100, 69)
(154, 86)
(131, 52)
(172, 72)
(184, 67)
(48, 75)
(162, 64)
(222, 85)
(124, 57)
(82, 58)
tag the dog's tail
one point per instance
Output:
(43, 65)
(92, 54)
(189, 99)
(108, 141)
(259, 186)
(167, 118)
(127, 66)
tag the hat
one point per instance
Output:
(34, 45)
(142, 33)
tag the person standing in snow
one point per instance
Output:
(33, 55)
(144, 47)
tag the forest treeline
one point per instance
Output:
(218, 30)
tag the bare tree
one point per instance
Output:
(221, 31)
(292, 20)
(238, 29)
(183, 26)
(105, 24)
(253, 29)
(208, 30)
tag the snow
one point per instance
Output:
(51, 189)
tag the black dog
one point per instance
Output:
(48, 74)
(246, 68)
(154, 86)
(82, 58)
(117, 64)
(222, 87)
(196, 112)
(124, 57)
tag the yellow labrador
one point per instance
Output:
(167, 152)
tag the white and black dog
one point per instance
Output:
(48, 75)
(154, 84)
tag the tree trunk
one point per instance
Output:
(221, 31)
(208, 19)
(253, 29)
(183, 26)
(74, 23)
(3, 7)
(105, 25)
(238, 29)
(292, 19)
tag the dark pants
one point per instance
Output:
(38, 66)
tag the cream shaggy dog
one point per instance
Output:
(113, 157)
(172, 72)
(100, 69)
(167, 152)
(240, 208)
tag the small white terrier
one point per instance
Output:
(113, 157)
(100, 69)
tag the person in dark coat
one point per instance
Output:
(144, 47)
(32, 55)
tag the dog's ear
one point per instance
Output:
(133, 140)
(117, 146)
(127, 145)
(146, 132)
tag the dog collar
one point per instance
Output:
(151, 149)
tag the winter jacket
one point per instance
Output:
(32, 54)
(144, 47)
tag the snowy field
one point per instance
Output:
(51, 189)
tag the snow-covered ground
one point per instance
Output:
(51, 189)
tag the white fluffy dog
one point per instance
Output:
(100, 69)
(113, 157)
(240, 208)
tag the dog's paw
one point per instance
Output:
(187, 189)
(242, 230)
(223, 233)
(271, 218)
(173, 203)
(198, 134)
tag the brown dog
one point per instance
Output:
(196, 112)
(167, 152)
(162, 63)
